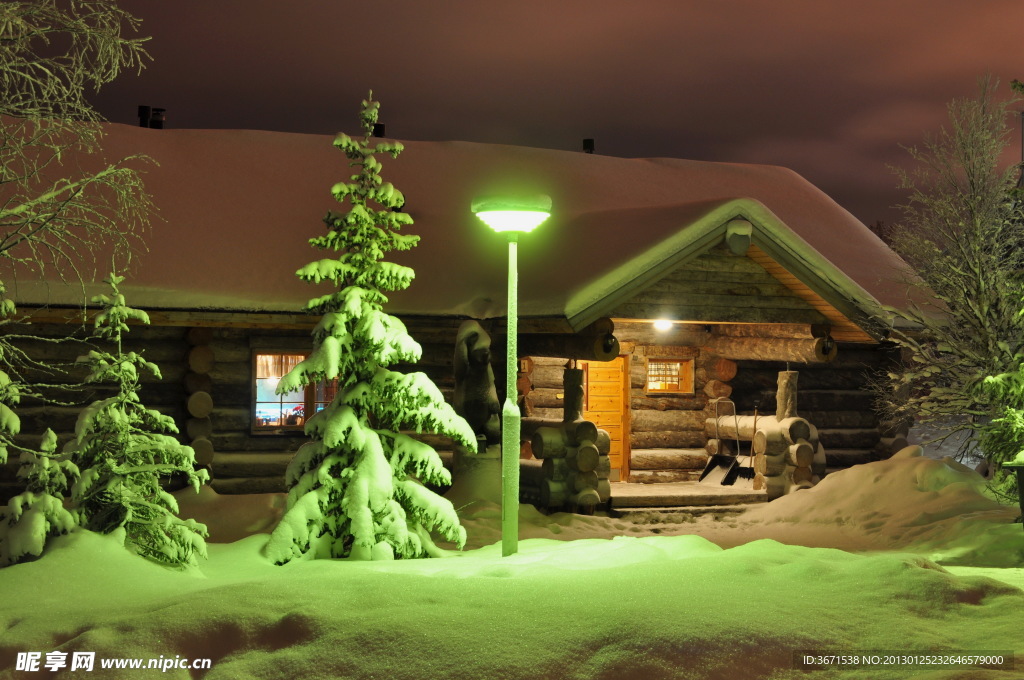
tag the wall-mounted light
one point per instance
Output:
(662, 325)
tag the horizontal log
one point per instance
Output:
(199, 335)
(248, 464)
(555, 468)
(835, 400)
(718, 309)
(247, 485)
(844, 458)
(783, 330)
(770, 465)
(848, 439)
(549, 442)
(548, 397)
(545, 414)
(719, 446)
(716, 389)
(604, 490)
(656, 421)
(224, 419)
(235, 441)
(743, 427)
(668, 459)
(553, 494)
(640, 401)
(719, 368)
(774, 349)
(547, 376)
(841, 419)
(681, 334)
(689, 439)
(601, 347)
(663, 476)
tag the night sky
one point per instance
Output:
(829, 88)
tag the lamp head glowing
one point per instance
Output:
(662, 325)
(522, 214)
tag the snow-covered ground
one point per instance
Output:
(905, 555)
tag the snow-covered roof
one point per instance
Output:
(238, 206)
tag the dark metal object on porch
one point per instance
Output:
(1018, 469)
(727, 468)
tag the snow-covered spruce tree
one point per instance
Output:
(38, 513)
(355, 490)
(122, 450)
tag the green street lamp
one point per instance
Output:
(512, 217)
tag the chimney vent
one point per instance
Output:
(588, 145)
(151, 117)
(378, 130)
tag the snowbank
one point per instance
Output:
(674, 607)
(722, 602)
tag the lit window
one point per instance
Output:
(282, 412)
(670, 375)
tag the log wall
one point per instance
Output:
(719, 286)
(832, 396)
(207, 389)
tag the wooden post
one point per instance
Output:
(785, 396)
(572, 381)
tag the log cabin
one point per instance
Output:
(713, 278)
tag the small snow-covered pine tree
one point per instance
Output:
(355, 489)
(122, 450)
(38, 513)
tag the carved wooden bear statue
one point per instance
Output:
(476, 399)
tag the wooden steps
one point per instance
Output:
(680, 515)
(680, 494)
(655, 466)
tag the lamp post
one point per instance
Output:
(512, 217)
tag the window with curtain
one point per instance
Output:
(674, 376)
(275, 413)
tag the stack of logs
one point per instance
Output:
(198, 386)
(787, 453)
(574, 454)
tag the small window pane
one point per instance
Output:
(277, 410)
(324, 395)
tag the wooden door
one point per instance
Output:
(606, 404)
